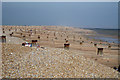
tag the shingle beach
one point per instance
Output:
(50, 59)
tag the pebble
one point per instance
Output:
(51, 63)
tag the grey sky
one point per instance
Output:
(78, 14)
(60, 0)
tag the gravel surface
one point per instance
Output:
(27, 62)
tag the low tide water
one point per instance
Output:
(108, 39)
(109, 35)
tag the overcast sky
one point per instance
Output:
(78, 14)
(60, 0)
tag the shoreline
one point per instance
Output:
(104, 37)
(54, 37)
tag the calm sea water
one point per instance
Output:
(109, 32)
(109, 35)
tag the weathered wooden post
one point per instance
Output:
(23, 36)
(109, 46)
(3, 31)
(3, 39)
(80, 43)
(38, 36)
(99, 51)
(34, 42)
(29, 34)
(56, 38)
(95, 44)
(67, 36)
(35, 31)
(66, 45)
(118, 45)
(54, 33)
(10, 35)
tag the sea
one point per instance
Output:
(109, 35)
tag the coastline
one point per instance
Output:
(105, 35)
(54, 37)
